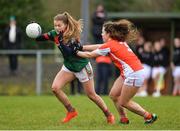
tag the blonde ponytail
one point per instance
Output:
(74, 27)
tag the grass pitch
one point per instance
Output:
(45, 112)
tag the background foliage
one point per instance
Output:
(43, 11)
(143, 5)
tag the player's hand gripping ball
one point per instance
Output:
(33, 30)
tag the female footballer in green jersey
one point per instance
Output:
(66, 30)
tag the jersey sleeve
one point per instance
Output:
(46, 36)
(103, 50)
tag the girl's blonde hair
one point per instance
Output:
(74, 27)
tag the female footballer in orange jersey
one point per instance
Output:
(131, 78)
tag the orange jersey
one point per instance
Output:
(121, 55)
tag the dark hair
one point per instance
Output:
(133, 32)
(122, 30)
(116, 31)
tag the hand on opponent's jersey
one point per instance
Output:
(76, 46)
(72, 46)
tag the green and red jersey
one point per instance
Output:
(72, 62)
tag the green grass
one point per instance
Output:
(45, 112)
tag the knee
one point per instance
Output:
(113, 97)
(122, 103)
(55, 88)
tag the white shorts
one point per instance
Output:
(84, 75)
(176, 71)
(147, 71)
(158, 70)
(135, 79)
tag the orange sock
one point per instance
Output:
(147, 115)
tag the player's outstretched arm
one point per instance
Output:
(43, 37)
(86, 54)
(91, 47)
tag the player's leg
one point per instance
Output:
(125, 100)
(176, 76)
(129, 89)
(85, 76)
(106, 75)
(159, 80)
(175, 88)
(62, 78)
(178, 85)
(114, 94)
(99, 73)
(142, 92)
(89, 90)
